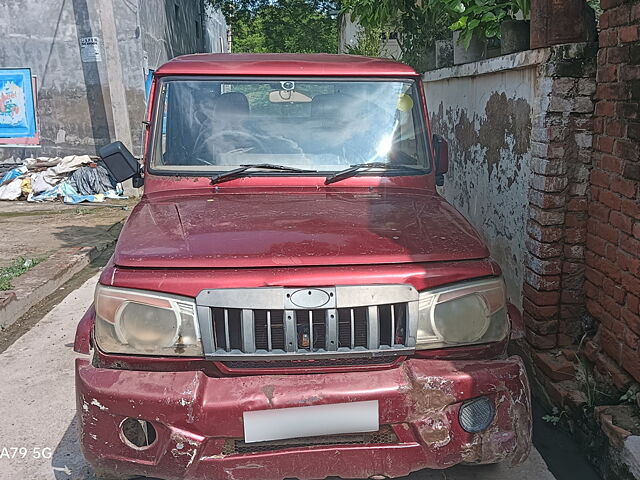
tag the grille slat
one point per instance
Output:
(268, 332)
(226, 330)
(392, 332)
(290, 331)
(311, 330)
(269, 342)
(353, 330)
(373, 328)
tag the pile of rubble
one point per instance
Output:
(74, 179)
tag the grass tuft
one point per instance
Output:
(17, 268)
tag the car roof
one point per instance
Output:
(267, 64)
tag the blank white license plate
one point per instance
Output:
(312, 421)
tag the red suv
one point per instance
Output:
(291, 297)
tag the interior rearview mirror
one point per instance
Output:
(120, 162)
(441, 148)
(288, 96)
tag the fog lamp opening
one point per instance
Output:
(476, 415)
(137, 434)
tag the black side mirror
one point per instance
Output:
(121, 163)
(441, 147)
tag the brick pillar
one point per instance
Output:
(561, 160)
(613, 233)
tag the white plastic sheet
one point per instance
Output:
(11, 190)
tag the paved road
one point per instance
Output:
(37, 406)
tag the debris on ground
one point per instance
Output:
(74, 179)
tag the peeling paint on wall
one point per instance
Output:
(487, 120)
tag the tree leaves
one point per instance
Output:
(417, 24)
(294, 26)
(481, 18)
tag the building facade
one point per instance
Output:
(91, 60)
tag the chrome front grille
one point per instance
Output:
(276, 322)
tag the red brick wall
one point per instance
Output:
(553, 288)
(612, 254)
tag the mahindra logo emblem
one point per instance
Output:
(309, 298)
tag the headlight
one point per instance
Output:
(146, 323)
(463, 314)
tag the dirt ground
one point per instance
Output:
(35, 230)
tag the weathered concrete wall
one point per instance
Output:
(520, 132)
(149, 35)
(84, 105)
(74, 108)
(216, 31)
(170, 28)
(485, 110)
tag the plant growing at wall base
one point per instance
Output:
(595, 4)
(555, 416)
(630, 394)
(479, 18)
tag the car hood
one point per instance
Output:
(227, 230)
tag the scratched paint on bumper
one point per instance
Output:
(194, 414)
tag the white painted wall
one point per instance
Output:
(348, 33)
(486, 110)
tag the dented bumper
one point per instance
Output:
(196, 417)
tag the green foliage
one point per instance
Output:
(595, 4)
(367, 43)
(555, 416)
(417, 24)
(478, 17)
(293, 26)
(630, 395)
(17, 268)
(523, 6)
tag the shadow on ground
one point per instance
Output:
(67, 461)
(559, 450)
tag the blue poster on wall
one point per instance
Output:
(147, 84)
(17, 107)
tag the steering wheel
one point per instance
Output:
(209, 145)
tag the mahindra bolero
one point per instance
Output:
(291, 297)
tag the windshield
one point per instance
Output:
(216, 125)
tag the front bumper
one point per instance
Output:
(195, 414)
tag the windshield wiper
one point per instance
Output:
(354, 169)
(222, 177)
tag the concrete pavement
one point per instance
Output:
(37, 407)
